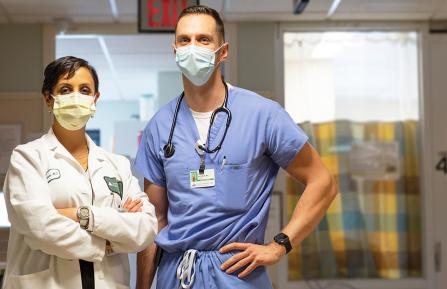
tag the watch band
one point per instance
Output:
(283, 240)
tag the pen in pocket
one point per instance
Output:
(224, 161)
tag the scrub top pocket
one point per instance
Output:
(231, 186)
(178, 178)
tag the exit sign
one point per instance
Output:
(160, 15)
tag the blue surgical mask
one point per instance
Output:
(196, 63)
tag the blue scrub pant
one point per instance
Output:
(208, 274)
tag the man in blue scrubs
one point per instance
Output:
(212, 202)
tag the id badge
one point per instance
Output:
(205, 180)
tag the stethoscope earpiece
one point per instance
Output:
(169, 150)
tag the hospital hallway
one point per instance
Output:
(365, 81)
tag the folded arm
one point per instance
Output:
(33, 215)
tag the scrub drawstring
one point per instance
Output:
(187, 269)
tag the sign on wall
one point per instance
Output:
(160, 15)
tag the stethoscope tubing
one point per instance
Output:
(169, 148)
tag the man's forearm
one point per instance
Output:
(146, 267)
(310, 209)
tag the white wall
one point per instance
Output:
(256, 56)
(20, 57)
(108, 112)
(170, 85)
(21, 75)
(20, 81)
(437, 121)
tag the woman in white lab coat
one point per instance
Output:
(75, 209)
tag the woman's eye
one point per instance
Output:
(86, 90)
(64, 90)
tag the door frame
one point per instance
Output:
(422, 28)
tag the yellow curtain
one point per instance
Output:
(373, 228)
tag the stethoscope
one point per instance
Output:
(169, 148)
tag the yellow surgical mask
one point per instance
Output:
(73, 110)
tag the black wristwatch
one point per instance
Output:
(283, 240)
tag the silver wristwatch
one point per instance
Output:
(83, 213)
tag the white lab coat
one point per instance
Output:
(45, 247)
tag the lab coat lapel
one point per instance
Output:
(57, 148)
(96, 157)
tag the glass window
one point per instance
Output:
(356, 94)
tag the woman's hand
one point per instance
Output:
(133, 206)
(251, 257)
(70, 213)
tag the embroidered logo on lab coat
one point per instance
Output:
(52, 174)
(115, 186)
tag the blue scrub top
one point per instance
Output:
(261, 138)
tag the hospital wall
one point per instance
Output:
(256, 69)
(256, 56)
(22, 58)
(21, 76)
(20, 80)
(169, 83)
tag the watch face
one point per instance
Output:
(281, 238)
(84, 213)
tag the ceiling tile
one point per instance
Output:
(126, 6)
(98, 11)
(441, 12)
(48, 10)
(385, 6)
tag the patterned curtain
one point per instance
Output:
(373, 227)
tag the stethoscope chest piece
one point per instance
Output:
(169, 150)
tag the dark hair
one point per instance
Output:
(67, 65)
(201, 9)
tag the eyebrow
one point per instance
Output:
(64, 84)
(71, 86)
(197, 36)
(86, 84)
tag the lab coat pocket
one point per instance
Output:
(232, 184)
(41, 279)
